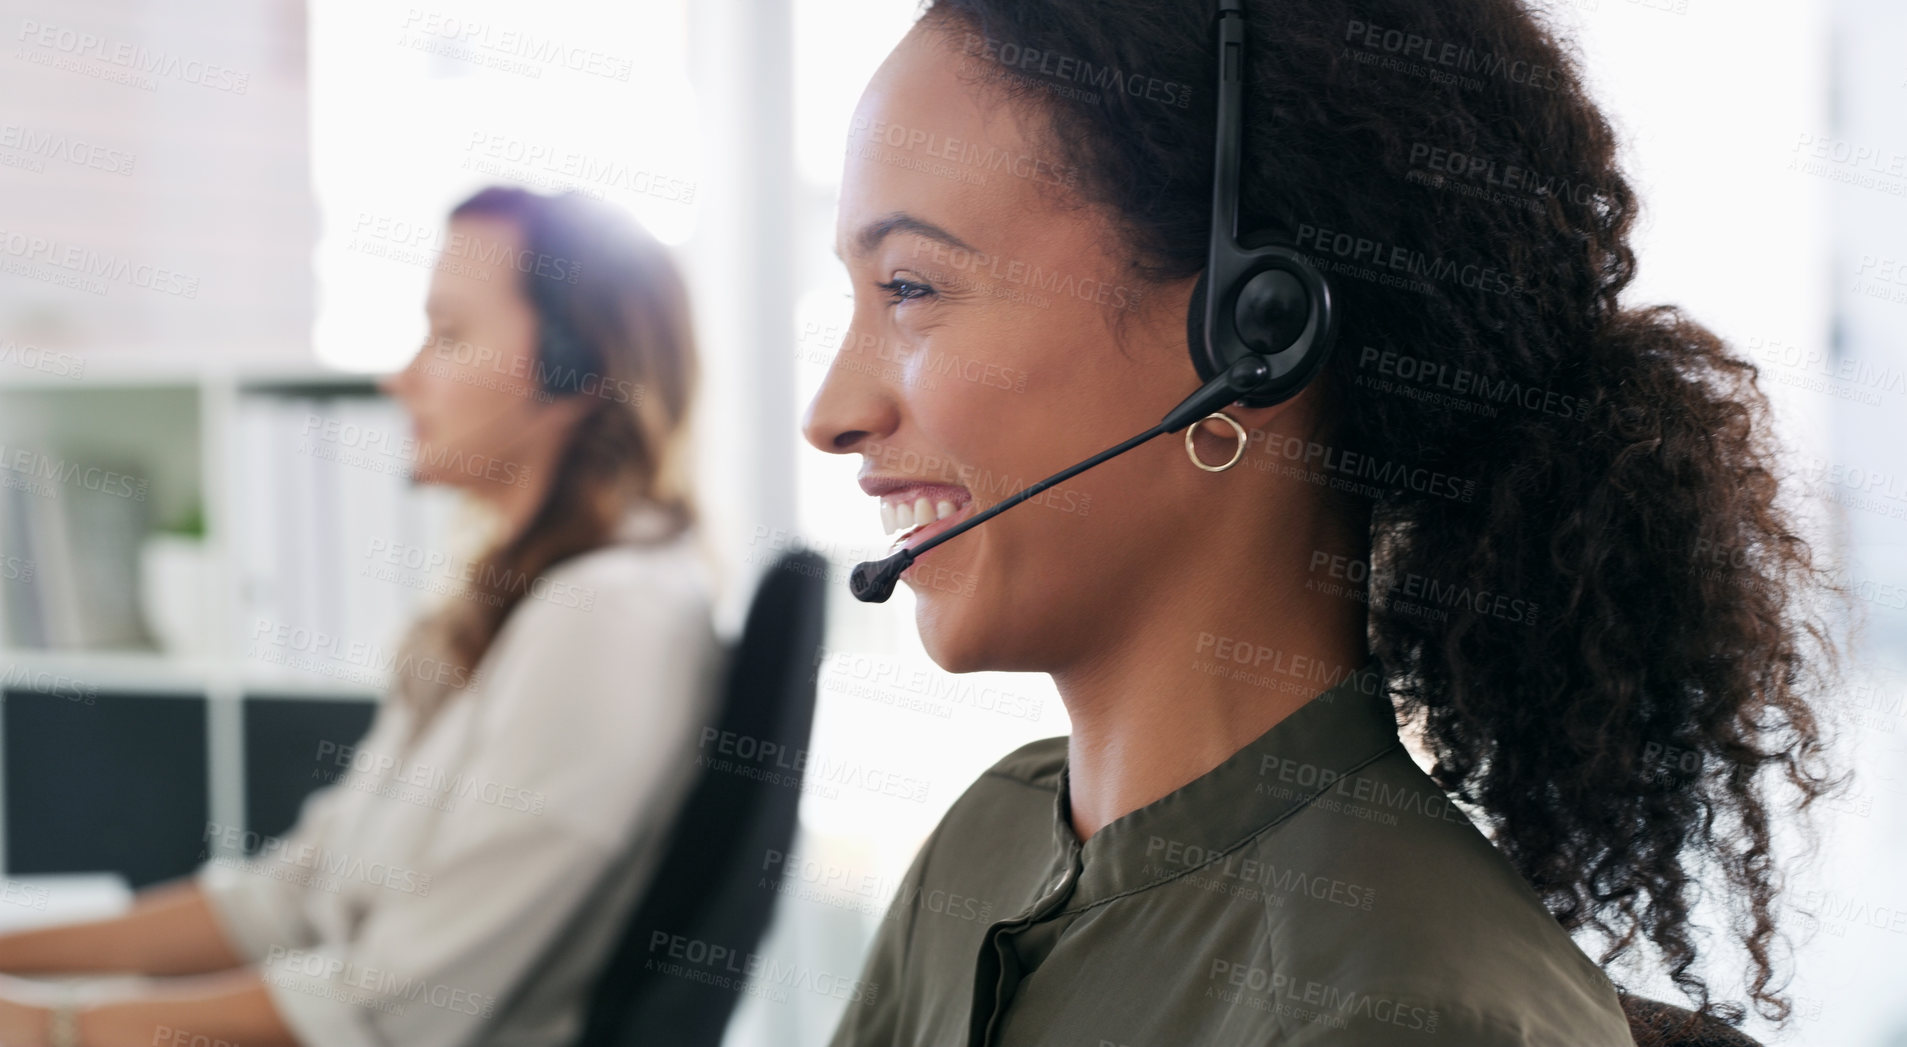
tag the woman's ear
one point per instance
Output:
(566, 410)
(1296, 418)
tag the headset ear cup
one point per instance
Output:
(1195, 332)
(1295, 312)
(559, 359)
(1207, 366)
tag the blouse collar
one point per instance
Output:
(1301, 757)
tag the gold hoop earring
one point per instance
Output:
(1237, 452)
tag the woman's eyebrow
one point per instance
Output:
(880, 229)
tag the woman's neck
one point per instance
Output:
(513, 506)
(1205, 672)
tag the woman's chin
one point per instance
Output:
(951, 633)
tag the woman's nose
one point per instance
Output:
(398, 382)
(854, 402)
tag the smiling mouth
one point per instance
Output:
(922, 511)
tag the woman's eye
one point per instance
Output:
(905, 290)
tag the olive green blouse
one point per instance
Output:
(1314, 888)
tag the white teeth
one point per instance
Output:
(899, 516)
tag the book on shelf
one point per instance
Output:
(322, 507)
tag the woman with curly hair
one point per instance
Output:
(1539, 529)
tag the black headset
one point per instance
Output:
(564, 357)
(1270, 300)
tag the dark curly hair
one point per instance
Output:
(1445, 164)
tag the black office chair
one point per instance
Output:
(708, 885)
(1653, 1023)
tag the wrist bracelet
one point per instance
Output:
(62, 1024)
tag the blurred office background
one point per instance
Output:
(209, 250)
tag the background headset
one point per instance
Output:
(1260, 325)
(564, 357)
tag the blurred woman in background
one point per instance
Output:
(516, 785)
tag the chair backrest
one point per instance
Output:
(708, 886)
(1653, 1023)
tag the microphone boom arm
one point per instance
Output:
(873, 581)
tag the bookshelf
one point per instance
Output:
(269, 624)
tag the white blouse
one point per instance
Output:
(468, 891)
